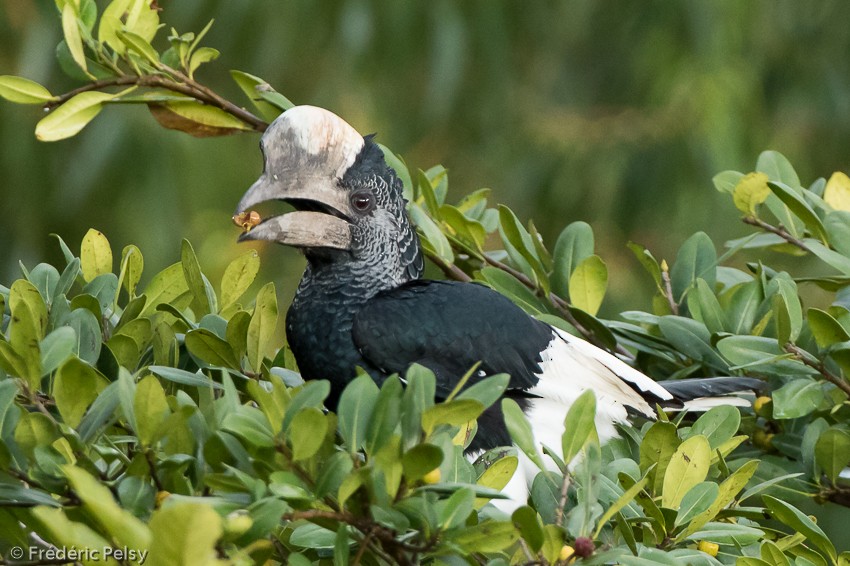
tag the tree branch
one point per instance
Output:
(778, 230)
(818, 365)
(188, 87)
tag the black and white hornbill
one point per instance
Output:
(362, 302)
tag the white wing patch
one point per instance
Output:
(570, 366)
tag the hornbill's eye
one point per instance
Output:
(362, 201)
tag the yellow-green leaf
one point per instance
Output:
(95, 255)
(588, 284)
(185, 534)
(123, 527)
(132, 265)
(238, 276)
(71, 29)
(307, 432)
(140, 45)
(165, 286)
(837, 191)
(688, 467)
(751, 191)
(67, 120)
(151, 409)
(23, 91)
(75, 387)
(262, 326)
(201, 56)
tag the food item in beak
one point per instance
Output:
(247, 220)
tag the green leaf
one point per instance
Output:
(307, 433)
(355, 408)
(72, 116)
(262, 327)
(574, 245)
(704, 306)
(140, 45)
(579, 425)
(797, 398)
(520, 430)
(799, 522)
(456, 412)
(826, 330)
(251, 86)
(23, 91)
(726, 181)
(121, 525)
(132, 265)
(697, 500)
(420, 460)
(184, 377)
(385, 417)
(527, 521)
(658, 446)
(454, 511)
(627, 497)
(509, 286)
(728, 490)
(800, 207)
(520, 247)
(185, 533)
(200, 56)
(649, 263)
(718, 425)
(210, 348)
(688, 466)
(57, 347)
(696, 259)
(238, 276)
(489, 536)
(588, 284)
(164, 288)
(832, 452)
(151, 409)
(778, 168)
(194, 279)
(488, 390)
(434, 239)
(95, 255)
(728, 533)
(75, 387)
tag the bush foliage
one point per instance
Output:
(169, 420)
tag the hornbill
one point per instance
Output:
(362, 301)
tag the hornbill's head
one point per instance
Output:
(348, 203)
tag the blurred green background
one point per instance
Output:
(616, 113)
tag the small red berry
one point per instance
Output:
(584, 547)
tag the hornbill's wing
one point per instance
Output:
(449, 327)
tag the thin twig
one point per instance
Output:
(778, 230)
(559, 512)
(449, 269)
(152, 467)
(363, 546)
(668, 291)
(818, 365)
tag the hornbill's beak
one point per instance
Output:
(307, 150)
